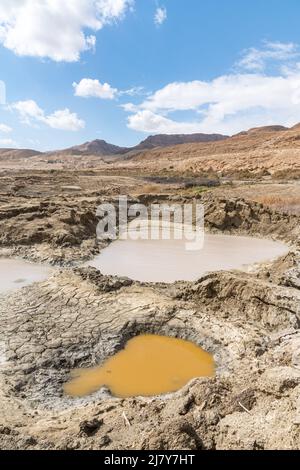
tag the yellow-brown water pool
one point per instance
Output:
(149, 365)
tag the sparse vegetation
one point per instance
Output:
(199, 190)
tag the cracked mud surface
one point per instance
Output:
(77, 318)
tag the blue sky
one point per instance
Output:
(120, 70)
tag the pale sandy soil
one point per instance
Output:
(78, 317)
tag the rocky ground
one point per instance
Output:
(249, 321)
(269, 151)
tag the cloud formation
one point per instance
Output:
(160, 16)
(88, 88)
(257, 59)
(55, 29)
(147, 121)
(227, 104)
(62, 119)
(4, 128)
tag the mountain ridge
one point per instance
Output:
(103, 148)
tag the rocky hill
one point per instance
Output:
(270, 150)
(95, 147)
(102, 148)
(8, 153)
(167, 140)
(262, 151)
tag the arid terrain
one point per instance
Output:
(250, 320)
(271, 151)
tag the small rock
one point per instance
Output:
(90, 427)
(104, 441)
(5, 430)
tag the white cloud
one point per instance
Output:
(8, 143)
(87, 88)
(227, 104)
(147, 121)
(4, 128)
(62, 119)
(134, 91)
(92, 88)
(256, 59)
(130, 107)
(160, 16)
(28, 110)
(55, 29)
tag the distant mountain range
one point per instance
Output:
(102, 148)
(263, 151)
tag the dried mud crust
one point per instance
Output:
(78, 318)
(62, 230)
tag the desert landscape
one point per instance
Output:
(149, 231)
(76, 317)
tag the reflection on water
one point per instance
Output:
(169, 260)
(15, 274)
(149, 365)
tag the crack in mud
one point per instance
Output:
(78, 318)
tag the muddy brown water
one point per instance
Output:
(149, 365)
(15, 274)
(169, 261)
